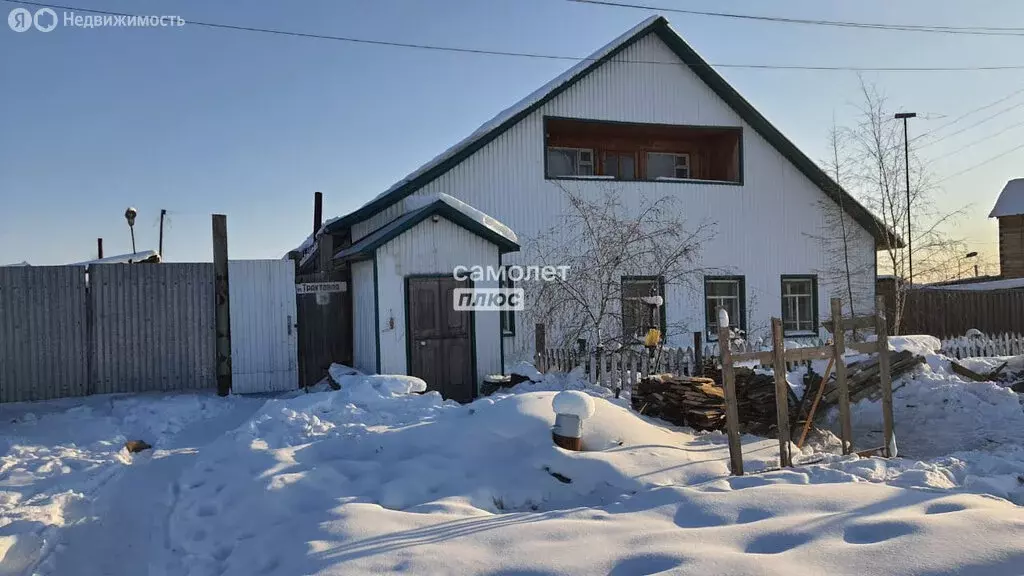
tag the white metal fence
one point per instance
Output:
(984, 345)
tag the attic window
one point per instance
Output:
(587, 149)
(563, 161)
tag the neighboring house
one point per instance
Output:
(650, 118)
(1009, 210)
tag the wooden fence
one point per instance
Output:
(951, 313)
(622, 369)
(985, 345)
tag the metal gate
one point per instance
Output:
(264, 336)
(325, 326)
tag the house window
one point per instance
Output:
(643, 307)
(570, 162)
(799, 305)
(728, 292)
(585, 148)
(620, 165)
(508, 317)
(665, 165)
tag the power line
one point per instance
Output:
(968, 113)
(982, 163)
(969, 30)
(975, 142)
(971, 126)
(486, 52)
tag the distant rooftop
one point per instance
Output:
(1011, 200)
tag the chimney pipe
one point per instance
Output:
(318, 211)
(99, 248)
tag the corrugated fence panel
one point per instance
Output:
(264, 337)
(43, 329)
(153, 327)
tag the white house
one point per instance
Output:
(644, 112)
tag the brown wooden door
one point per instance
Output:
(439, 338)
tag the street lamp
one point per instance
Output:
(906, 160)
(130, 215)
(965, 257)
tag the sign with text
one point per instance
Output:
(320, 287)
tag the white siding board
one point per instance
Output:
(426, 249)
(765, 228)
(364, 342)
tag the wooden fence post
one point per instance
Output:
(838, 349)
(732, 412)
(781, 392)
(884, 374)
(222, 311)
(539, 345)
(698, 354)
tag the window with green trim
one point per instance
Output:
(800, 305)
(728, 292)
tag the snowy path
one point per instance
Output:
(128, 532)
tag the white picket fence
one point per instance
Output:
(985, 345)
(624, 368)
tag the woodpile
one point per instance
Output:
(863, 380)
(700, 402)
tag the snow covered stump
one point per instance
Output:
(571, 408)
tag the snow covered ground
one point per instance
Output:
(376, 478)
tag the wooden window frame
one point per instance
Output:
(593, 162)
(662, 316)
(640, 164)
(813, 279)
(677, 155)
(712, 334)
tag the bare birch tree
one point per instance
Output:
(602, 240)
(874, 150)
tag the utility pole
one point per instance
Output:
(161, 246)
(130, 215)
(222, 310)
(99, 248)
(906, 172)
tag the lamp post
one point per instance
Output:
(906, 171)
(965, 257)
(130, 215)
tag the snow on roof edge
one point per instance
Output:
(516, 108)
(415, 202)
(1010, 201)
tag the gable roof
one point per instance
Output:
(454, 210)
(1011, 200)
(656, 25)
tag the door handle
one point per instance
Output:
(423, 342)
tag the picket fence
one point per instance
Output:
(984, 345)
(626, 367)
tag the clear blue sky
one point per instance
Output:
(198, 120)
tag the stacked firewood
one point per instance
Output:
(700, 402)
(863, 378)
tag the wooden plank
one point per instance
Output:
(764, 358)
(781, 392)
(805, 354)
(222, 308)
(838, 348)
(732, 411)
(863, 347)
(855, 323)
(882, 329)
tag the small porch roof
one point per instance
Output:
(450, 208)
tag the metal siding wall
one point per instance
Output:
(364, 343)
(505, 179)
(43, 333)
(433, 248)
(153, 327)
(264, 339)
